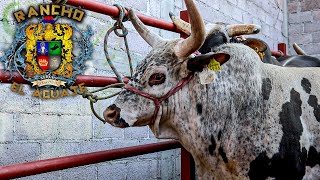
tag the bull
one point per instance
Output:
(220, 33)
(255, 121)
(300, 60)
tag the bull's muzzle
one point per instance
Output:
(112, 116)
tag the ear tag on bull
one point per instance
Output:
(261, 54)
(207, 76)
(214, 65)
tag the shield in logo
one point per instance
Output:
(49, 49)
(49, 55)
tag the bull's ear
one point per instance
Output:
(256, 44)
(199, 62)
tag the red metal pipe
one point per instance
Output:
(5, 76)
(97, 81)
(187, 165)
(48, 165)
(114, 11)
(277, 54)
(283, 48)
(88, 80)
(184, 16)
(187, 162)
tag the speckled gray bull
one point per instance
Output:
(255, 121)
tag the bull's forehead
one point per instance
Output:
(161, 56)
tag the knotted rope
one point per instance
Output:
(118, 25)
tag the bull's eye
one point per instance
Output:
(157, 78)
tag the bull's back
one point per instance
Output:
(294, 107)
(300, 61)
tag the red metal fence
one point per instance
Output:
(43, 166)
(55, 164)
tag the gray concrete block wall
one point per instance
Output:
(34, 129)
(304, 25)
(269, 14)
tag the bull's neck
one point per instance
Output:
(207, 110)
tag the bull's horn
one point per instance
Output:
(181, 24)
(151, 38)
(298, 49)
(187, 46)
(242, 29)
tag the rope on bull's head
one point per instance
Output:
(117, 26)
(94, 98)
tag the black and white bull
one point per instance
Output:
(262, 49)
(221, 33)
(218, 33)
(255, 121)
(300, 60)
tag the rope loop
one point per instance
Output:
(121, 31)
(118, 25)
(124, 31)
(94, 98)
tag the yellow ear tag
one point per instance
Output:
(214, 65)
(261, 54)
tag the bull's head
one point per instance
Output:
(218, 33)
(169, 62)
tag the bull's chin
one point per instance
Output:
(142, 121)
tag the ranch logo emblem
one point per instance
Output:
(43, 53)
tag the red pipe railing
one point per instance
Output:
(43, 166)
(147, 20)
(114, 11)
(88, 80)
(283, 48)
(48, 165)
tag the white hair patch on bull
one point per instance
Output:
(254, 121)
(289, 162)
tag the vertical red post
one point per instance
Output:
(187, 162)
(187, 165)
(184, 16)
(283, 48)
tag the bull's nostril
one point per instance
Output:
(111, 114)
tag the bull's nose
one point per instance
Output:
(112, 113)
(112, 116)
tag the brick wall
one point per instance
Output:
(304, 25)
(33, 129)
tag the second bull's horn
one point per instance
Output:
(181, 24)
(242, 29)
(233, 29)
(298, 49)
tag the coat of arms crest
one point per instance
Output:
(49, 52)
